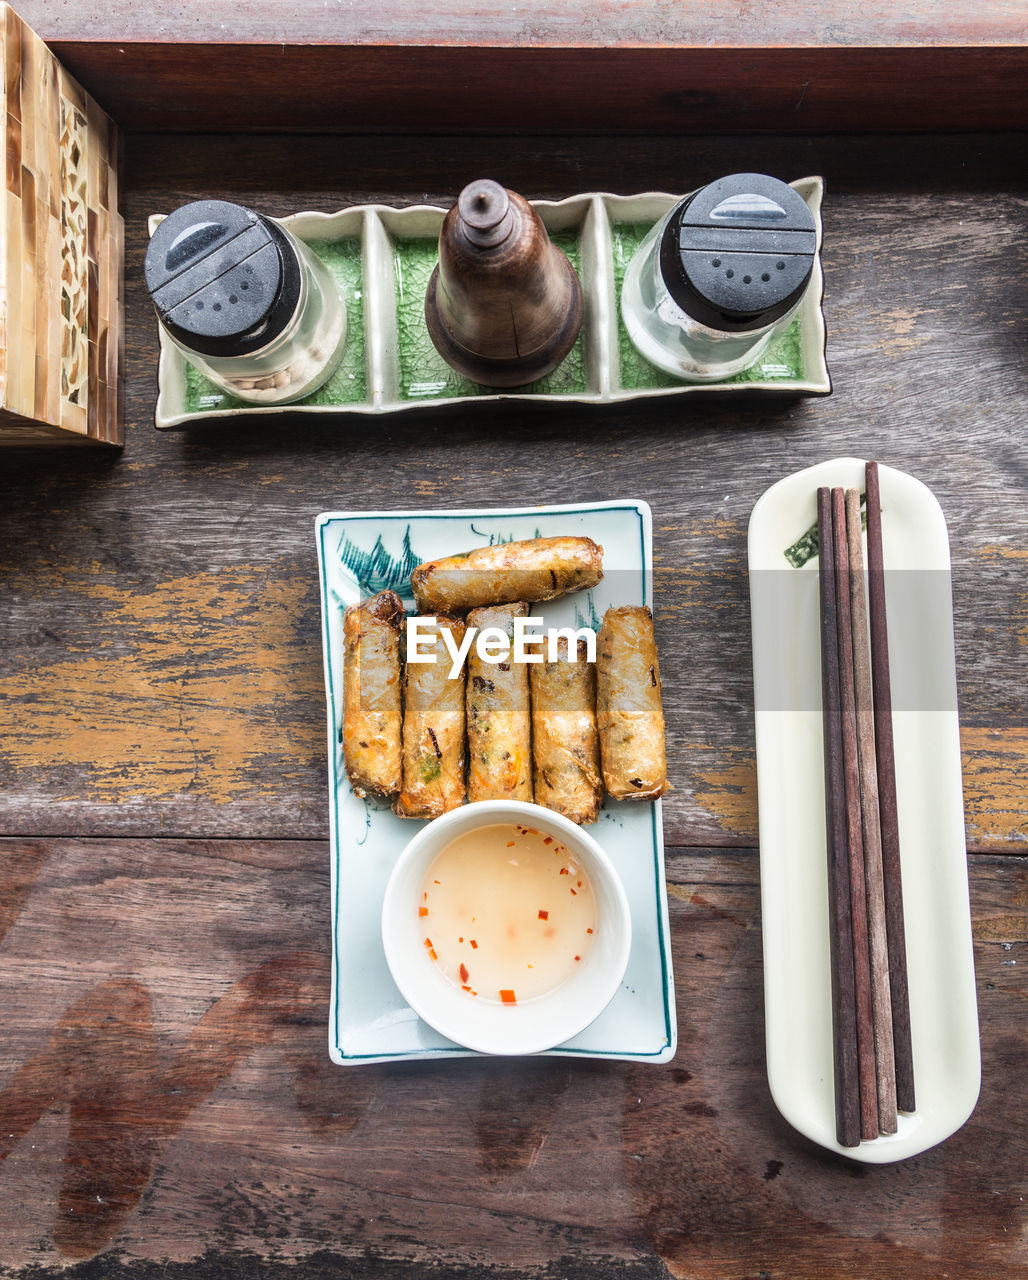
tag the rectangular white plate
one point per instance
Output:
(790, 784)
(360, 553)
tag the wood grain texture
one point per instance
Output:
(166, 1097)
(870, 1119)
(846, 1064)
(165, 1091)
(458, 87)
(870, 822)
(885, 757)
(687, 67)
(161, 635)
(60, 229)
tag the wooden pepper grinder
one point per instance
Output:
(504, 305)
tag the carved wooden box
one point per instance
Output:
(61, 252)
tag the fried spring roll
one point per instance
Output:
(499, 717)
(628, 709)
(433, 728)
(565, 741)
(536, 569)
(371, 694)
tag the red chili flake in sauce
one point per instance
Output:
(575, 892)
(548, 840)
(474, 944)
(578, 957)
(588, 930)
(544, 915)
(464, 973)
(422, 911)
(507, 996)
(563, 871)
(510, 844)
(432, 954)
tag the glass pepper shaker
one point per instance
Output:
(723, 272)
(247, 302)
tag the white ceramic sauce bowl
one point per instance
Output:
(532, 1026)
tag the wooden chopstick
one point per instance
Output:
(886, 757)
(854, 832)
(878, 942)
(840, 924)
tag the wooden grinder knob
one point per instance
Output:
(504, 305)
(484, 209)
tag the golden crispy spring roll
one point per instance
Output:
(628, 710)
(536, 569)
(371, 694)
(433, 728)
(499, 717)
(565, 741)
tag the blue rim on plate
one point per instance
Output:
(363, 552)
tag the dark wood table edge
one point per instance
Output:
(205, 86)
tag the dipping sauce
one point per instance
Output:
(507, 913)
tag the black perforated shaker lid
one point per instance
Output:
(737, 254)
(225, 280)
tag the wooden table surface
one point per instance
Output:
(167, 1105)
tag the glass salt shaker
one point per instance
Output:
(719, 276)
(248, 303)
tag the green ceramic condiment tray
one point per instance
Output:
(383, 257)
